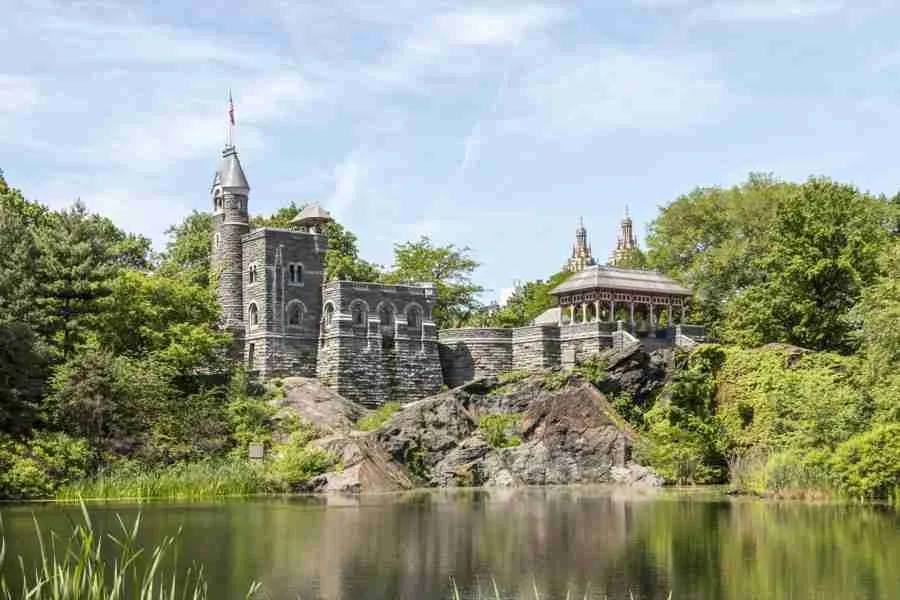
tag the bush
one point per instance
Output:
(500, 430)
(867, 466)
(378, 417)
(35, 468)
(296, 462)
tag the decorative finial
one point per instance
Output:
(581, 222)
(627, 216)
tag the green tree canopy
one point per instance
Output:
(448, 267)
(188, 249)
(772, 261)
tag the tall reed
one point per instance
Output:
(181, 481)
(79, 567)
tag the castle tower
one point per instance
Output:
(231, 220)
(626, 244)
(581, 251)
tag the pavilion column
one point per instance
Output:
(652, 317)
(682, 312)
(572, 314)
(631, 313)
(584, 312)
(669, 320)
(561, 309)
(596, 310)
(612, 311)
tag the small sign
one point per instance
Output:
(256, 451)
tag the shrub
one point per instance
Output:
(35, 468)
(295, 461)
(867, 466)
(500, 430)
(593, 370)
(378, 417)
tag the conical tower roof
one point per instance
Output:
(231, 174)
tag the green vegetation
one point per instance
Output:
(79, 568)
(501, 430)
(378, 417)
(507, 380)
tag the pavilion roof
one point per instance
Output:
(615, 278)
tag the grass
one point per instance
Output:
(378, 417)
(89, 566)
(497, 427)
(179, 481)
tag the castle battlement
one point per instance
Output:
(376, 342)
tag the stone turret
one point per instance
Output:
(231, 220)
(581, 251)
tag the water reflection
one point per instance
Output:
(697, 545)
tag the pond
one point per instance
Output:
(589, 541)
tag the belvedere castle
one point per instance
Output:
(374, 342)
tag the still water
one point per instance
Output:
(582, 540)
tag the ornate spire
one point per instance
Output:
(581, 250)
(626, 244)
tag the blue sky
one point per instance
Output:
(493, 125)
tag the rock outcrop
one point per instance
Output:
(551, 427)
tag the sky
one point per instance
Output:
(491, 125)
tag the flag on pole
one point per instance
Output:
(230, 109)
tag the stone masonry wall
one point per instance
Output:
(279, 347)
(580, 341)
(230, 223)
(378, 342)
(471, 353)
(535, 347)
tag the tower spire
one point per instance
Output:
(581, 250)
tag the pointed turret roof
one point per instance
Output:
(231, 174)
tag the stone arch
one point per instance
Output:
(296, 313)
(253, 315)
(414, 319)
(328, 314)
(387, 323)
(359, 314)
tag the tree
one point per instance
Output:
(109, 400)
(342, 261)
(170, 320)
(19, 219)
(79, 255)
(22, 376)
(528, 301)
(188, 250)
(448, 267)
(822, 252)
(280, 219)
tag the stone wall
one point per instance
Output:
(535, 347)
(471, 353)
(285, 339)
(579, 341)
(378, 343)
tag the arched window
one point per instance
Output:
(295, 273)
(253, 275)
(217, 240)
(295, 312)
(359, 313)
(253, 314)
(414, 321)
(328, 315)
(386, 321)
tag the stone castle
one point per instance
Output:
(374, 342)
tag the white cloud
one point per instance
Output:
(766, 10)
(444, 43)
(505, 294)
(349, 175)
(615, 89)
(17, 94)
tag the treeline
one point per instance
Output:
(112, 360)
(801, 284)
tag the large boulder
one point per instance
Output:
(325, 409)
